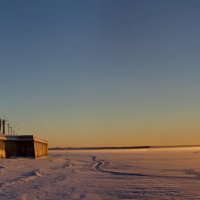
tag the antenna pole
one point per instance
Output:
(8, 128)
(0, 125)
(3, 124)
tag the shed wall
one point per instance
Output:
(26, 148)
(11, 149)
(2, 149)
(41, 149)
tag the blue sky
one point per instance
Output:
(87, 73)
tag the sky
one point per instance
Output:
(101, 72)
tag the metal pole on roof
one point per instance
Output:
(0, 125)
(3, 124)
(6, 120)
(11, 131)
(8, 128)
(14, 128)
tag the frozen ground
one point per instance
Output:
(127, 174)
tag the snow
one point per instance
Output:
(160, 174)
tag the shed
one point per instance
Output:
(22, 145)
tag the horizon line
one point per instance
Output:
(121, 147)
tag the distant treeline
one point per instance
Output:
(112, 148)
(98, 148)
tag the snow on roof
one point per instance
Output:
(22, 138)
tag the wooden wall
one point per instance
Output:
(41, 149)
(11, 149)
(25, 148)
(2, 149)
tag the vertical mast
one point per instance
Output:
(3, 124)
(0, 125)
(8, 128)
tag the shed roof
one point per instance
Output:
(22, 138)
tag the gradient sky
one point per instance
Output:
(102, 72)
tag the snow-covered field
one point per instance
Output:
(119, 174)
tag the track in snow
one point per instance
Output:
(98, 166)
